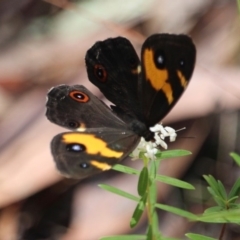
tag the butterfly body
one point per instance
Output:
(142, 92)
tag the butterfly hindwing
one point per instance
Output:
(100, 139)
(81, 154)
(75, 107)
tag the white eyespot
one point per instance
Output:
(160, 59)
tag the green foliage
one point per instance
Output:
(234, 155)
(147, 195)
(193, 236)
(226, 210)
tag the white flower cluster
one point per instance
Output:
(151, 148)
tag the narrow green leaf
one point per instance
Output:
(211, 191)
(234, 155)
(125, 169)
(174, 182)
(172, 153)
(119, 192)
(225, 216)
(149, 233)
(232, 200)
(233, 206)
(212, 183)
(222, 190)
(220, 201)
(177, 211)
(152, 194)
(138, 211)
(235, 191)
(143, 182)
(216, 198)
(213, 209)
(155, 224)
(194, 236)
(153, 170)
(125, 237)
(169, 238)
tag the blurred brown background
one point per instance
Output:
(43, 44)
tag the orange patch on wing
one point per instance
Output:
(157, 77)
(93, 144)
(100, 165)
(183, 80)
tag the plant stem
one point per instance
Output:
(151, 201)
(222, 231)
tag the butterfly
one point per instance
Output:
(142, 92)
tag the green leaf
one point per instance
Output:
(143, 182)
(149, 233)
(214, 209)
(226, 216)
(125, 237)
(234, 206)
(238, 4)
(119, 192)
(217, 190)
(125, 169)
(138, 211)
(232, 200)
(234, 155)
(153, 170)
(172, 153)
(216, 198)
(222, 190)
(152, 193)
(177, 211)
(174, 182)
(220, 201)
(194, 236)
(169, 238)
(212, 183)
(235, 189)
(155, 224)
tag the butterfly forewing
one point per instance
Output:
(167, 65)
(114, 67)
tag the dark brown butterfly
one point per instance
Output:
(142, 94)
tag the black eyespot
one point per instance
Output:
(100, 73)
(75, 147)
(160, 59)
(181, 63)
(84, 165)
(73, 124)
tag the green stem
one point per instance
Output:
(151, 201)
